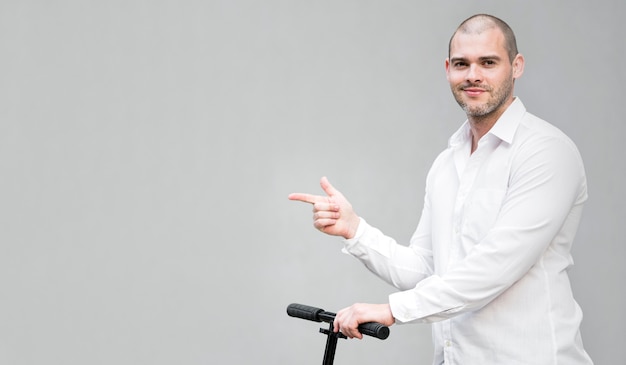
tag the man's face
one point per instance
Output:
(480, 73)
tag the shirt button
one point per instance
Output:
(448, 343)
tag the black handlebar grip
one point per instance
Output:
(304, 312)
(374, 329)
(314, 314)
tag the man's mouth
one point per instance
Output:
(473, 91)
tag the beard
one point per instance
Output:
(497, 99)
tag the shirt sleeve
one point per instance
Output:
(399, 265)
(538, 213)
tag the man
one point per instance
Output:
(487, 264)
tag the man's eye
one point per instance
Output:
(459, 64)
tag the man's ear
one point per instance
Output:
(518, 66)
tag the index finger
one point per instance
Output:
(307, 198)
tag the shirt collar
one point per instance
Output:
(504, 128)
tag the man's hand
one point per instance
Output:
(348, 319)
(332, 214)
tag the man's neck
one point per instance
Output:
(480, 125)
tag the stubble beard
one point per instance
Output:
(498, 99)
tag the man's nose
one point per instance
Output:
(473, 74)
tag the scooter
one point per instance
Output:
(373, 329)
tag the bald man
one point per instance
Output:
(487, 264)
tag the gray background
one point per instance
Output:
(147, 149)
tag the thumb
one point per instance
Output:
(328, 188)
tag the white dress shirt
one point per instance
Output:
(487, 264)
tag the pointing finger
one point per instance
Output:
(307, 198)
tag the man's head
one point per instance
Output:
(482, 64)
(479, 23)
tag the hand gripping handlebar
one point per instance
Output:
(373, 329)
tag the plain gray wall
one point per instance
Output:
(147, 149)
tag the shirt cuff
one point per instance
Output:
(351, 242)
(401, 311)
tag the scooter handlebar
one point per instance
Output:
(314, 314)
